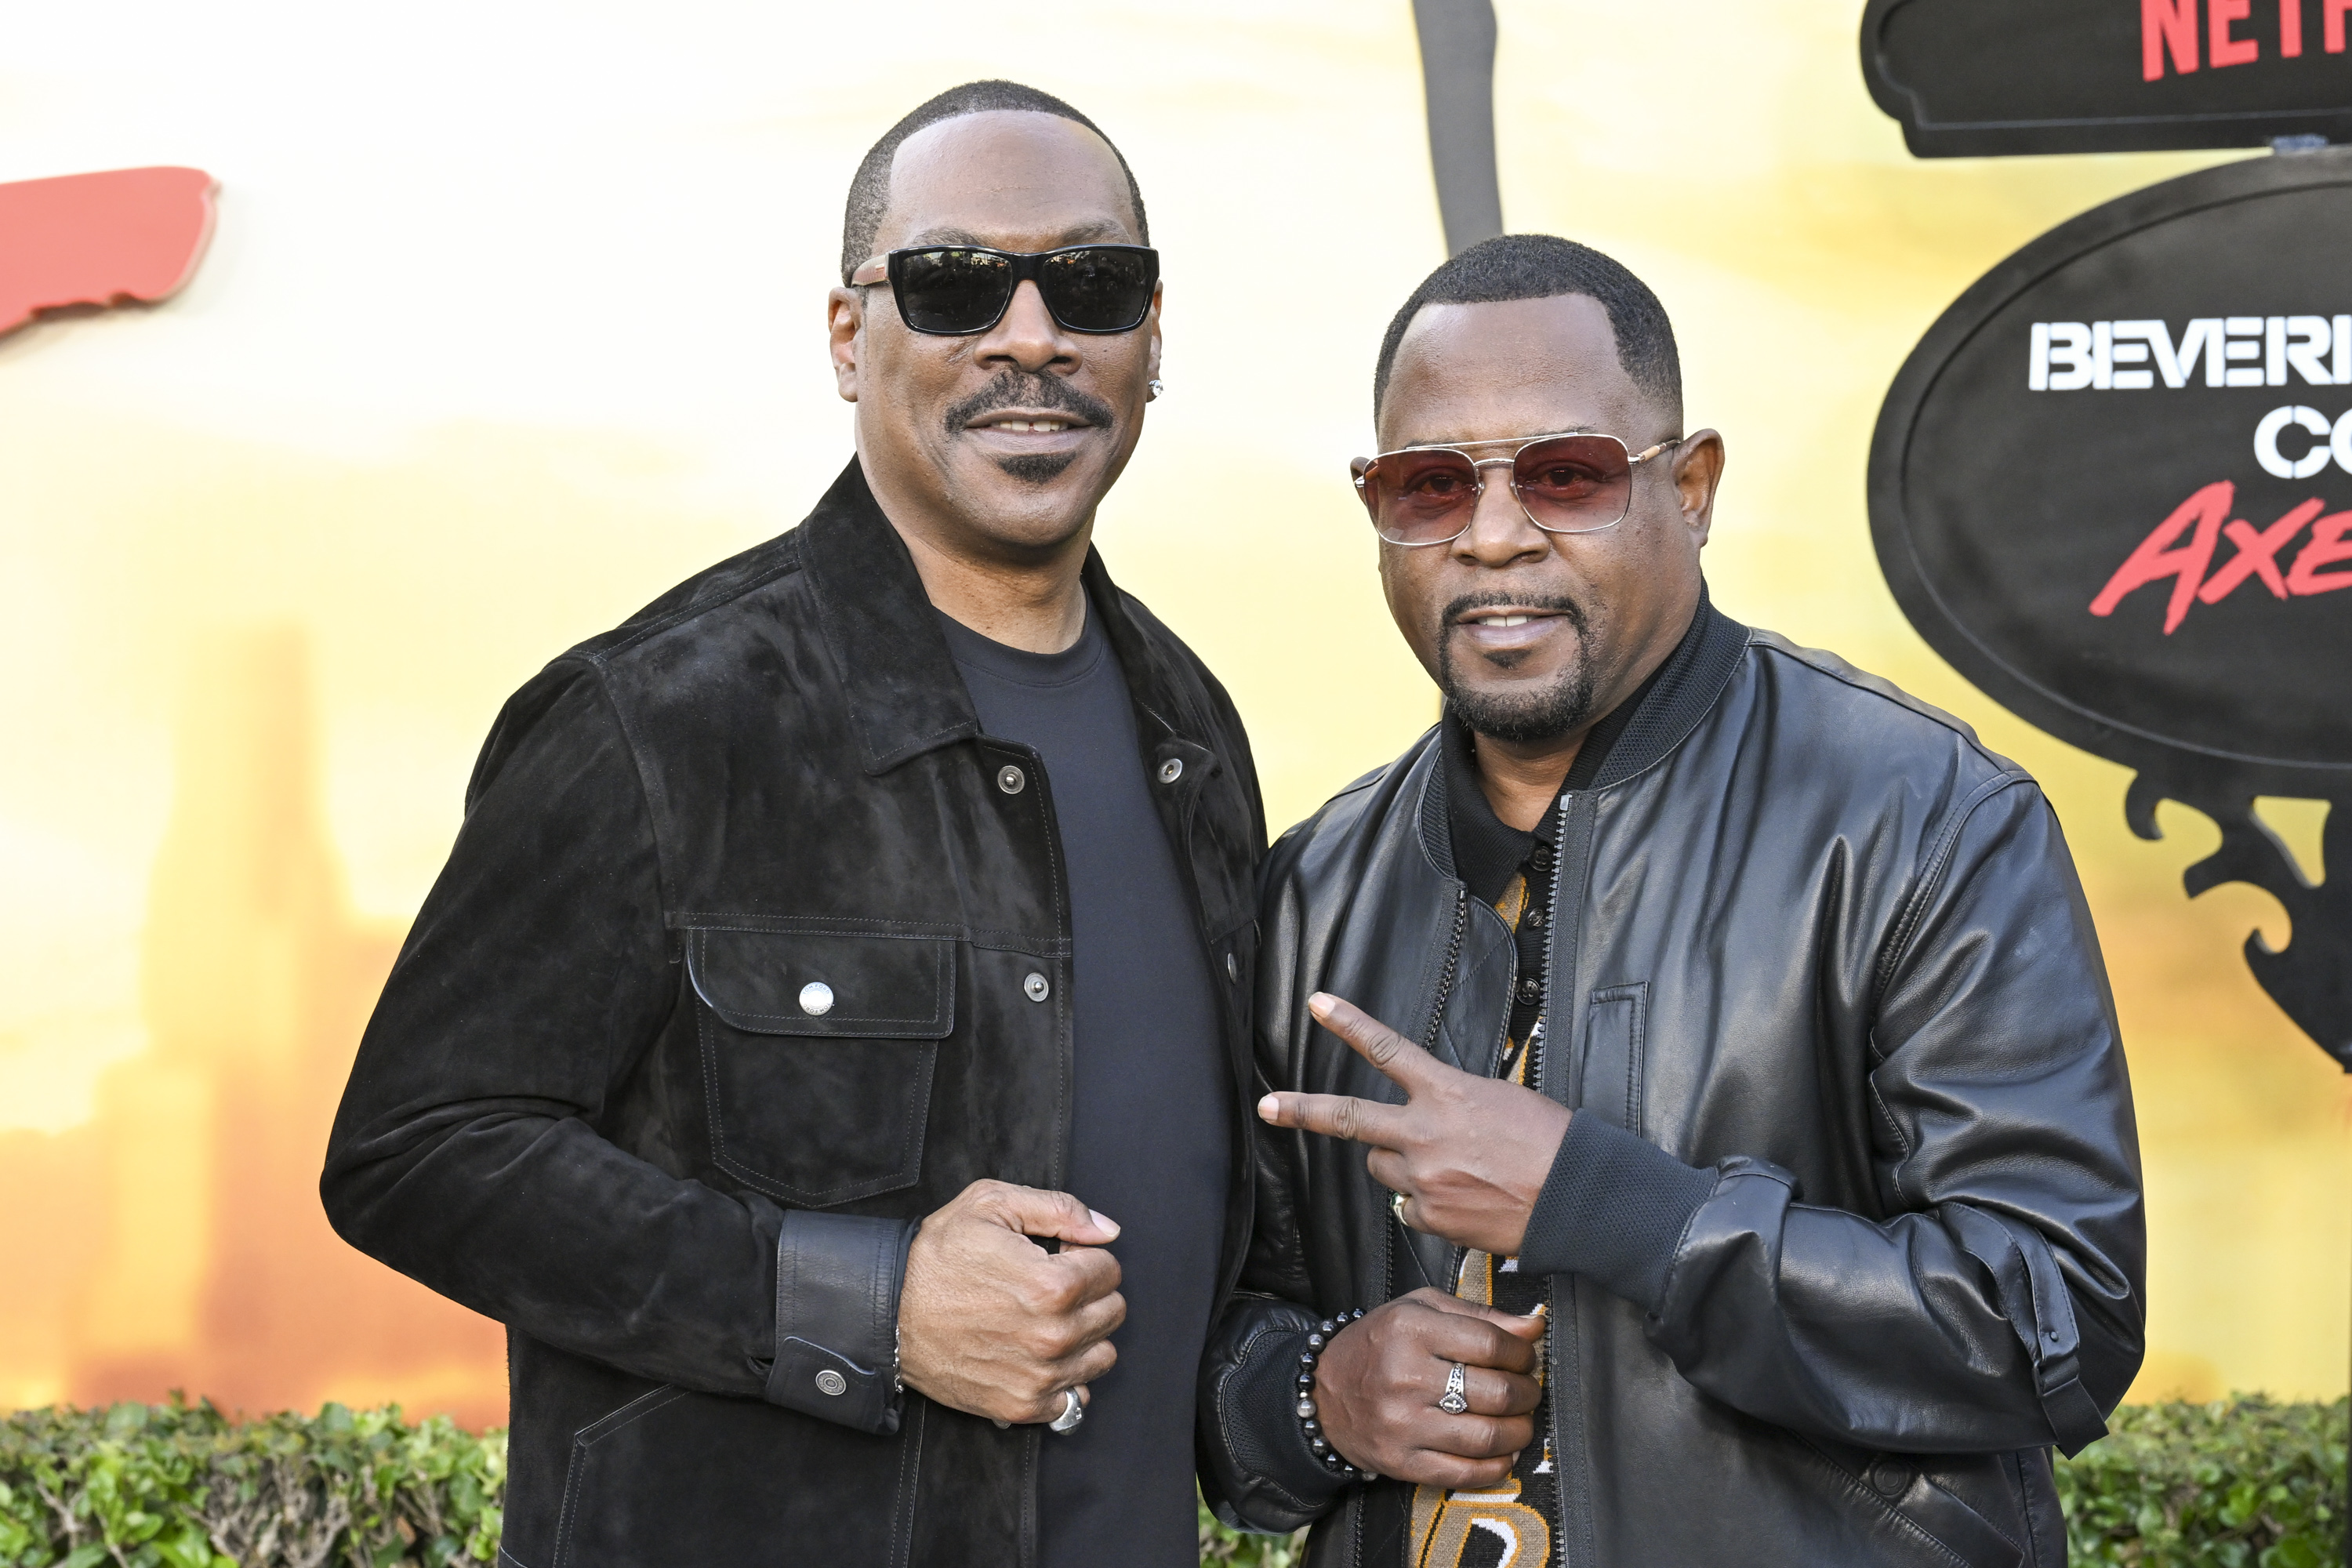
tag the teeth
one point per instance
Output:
(1499, 620)
(1033, 426)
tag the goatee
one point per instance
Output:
(1519, 718)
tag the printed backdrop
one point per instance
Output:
(514, 317)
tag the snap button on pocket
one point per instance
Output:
(1891, 1478)
(831, 1382)
(1011, 780)
(816, 998)
(1232, 968)
(1171, 769)
(1036, 988)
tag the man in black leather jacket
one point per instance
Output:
(867, 906)
(1752, 1173)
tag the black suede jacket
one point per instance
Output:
(1846, 1232)
(753, 950)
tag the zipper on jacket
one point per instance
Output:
(1428, 1043)
(1558, 997)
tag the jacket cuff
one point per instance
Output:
(1253, 1403)
(838, 1282)
(1614, 1209)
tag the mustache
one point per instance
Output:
(1558, 603)
(1019, 389)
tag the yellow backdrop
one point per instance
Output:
(514, 317)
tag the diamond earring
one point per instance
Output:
(1158, 386)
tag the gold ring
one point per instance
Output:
(1396, 1206)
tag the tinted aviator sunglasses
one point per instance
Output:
(1574, 482)
(954, 291)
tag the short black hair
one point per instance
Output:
(869, 193)
(1540, 266)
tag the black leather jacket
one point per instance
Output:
(601, 1103)
(1853, 1186)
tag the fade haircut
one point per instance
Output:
(1541, 266)
(869, 193)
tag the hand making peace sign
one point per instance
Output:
(1469, 1154)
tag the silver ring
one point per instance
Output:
(1454, 1402)
(1396, 1207)
(1073, 1410)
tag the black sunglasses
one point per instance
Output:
(953, 291)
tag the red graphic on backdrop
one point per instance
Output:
(128, 235)
(2162, 555)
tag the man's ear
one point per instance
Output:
(845, 317)
(1151, 358)
(1698, 469)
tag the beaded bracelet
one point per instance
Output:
(1317, 1342)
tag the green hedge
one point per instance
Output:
(2242, 1483)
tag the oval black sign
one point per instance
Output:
(2113, 485)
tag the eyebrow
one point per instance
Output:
(1077, 234)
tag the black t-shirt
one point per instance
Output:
(1150, 1138)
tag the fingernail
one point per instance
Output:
(1319, 1003)
(1103, 1222)
(1269, 1108)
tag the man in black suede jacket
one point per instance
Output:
(1759, 1183)
(826, 1049)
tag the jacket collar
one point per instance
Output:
(904, 695)
(1648, 725)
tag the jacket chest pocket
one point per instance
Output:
(817, 1051)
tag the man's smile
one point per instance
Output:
(1012, 430)
(1507, 628)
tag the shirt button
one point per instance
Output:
(1530, 990)
(816, 998)
(1171, 769)
(1011, 780)
(1035, 987)
(1535, 919)
(1232, 968)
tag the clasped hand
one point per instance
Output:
(992, 1323)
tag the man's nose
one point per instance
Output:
(1028, 336)
(1500, 531)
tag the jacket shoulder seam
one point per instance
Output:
(1884, 691)
(1931, 876)
(644, 791)
(630, 634)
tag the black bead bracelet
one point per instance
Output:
(1317, 1341)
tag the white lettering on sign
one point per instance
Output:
(2326, 441)
(2231, 351)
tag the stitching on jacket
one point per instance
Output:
(1915, 906)
(644, 787)
(581, 1442)
(1854, 1484)
(1893, 1128)
(1870, 686)
(940, 993)
(788, 546)
(775, 1184)
(1681, 1241)
(998, 939)
(2025, 1509)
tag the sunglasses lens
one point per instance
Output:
(1421, 498)
(951, 291)
(1104, 290)
(1574, 484)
